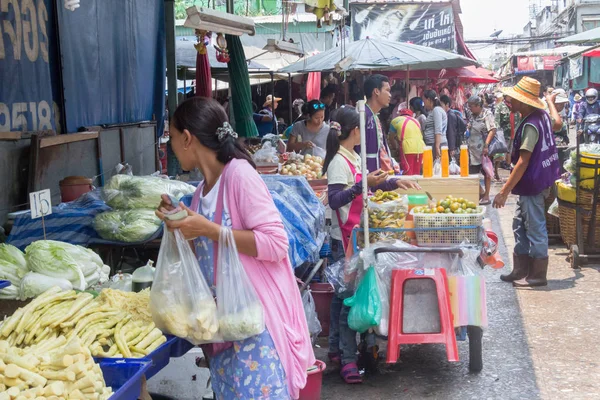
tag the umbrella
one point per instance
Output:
(380, 55)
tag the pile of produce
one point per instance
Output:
(105, 330)
(136, 304)
(57, 369)
(48, 263)
(13, 267)
(386, 210)
(130, 226)
(309, 166)
(450, 205)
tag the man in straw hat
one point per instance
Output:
(265, 119)
(535, 171)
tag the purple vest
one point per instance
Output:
(544, 167)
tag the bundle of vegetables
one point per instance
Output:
(13, 268)
(106, 331)
(67, 263)
(131, 192)
(130, 226)
(58, 369)
(137, 304)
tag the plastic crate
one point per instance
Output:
(124, 376)
(180, 347)
(445, 229)
(4, 284)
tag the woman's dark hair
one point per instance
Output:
(446, 100)
(432, 95)
(202, 116)
(348, 119)
(312, 107)
(416, 104)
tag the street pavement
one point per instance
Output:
(540, 343)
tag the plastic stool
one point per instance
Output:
(396, 335)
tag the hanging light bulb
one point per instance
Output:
(72, 5)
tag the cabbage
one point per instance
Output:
(132, 192)
(11, 256)
(34, 284)
(9, 293)
(130, 226)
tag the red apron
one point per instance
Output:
(354, 212)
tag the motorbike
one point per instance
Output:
(591, 128)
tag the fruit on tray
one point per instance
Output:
(310, 166)
(449, 205)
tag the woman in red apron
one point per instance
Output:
(344, 180)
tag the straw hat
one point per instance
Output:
(269, 100)
(526, 91)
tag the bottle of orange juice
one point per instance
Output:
(445, 162)
(464, 160)
(427, 162)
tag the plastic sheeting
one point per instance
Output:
(113, 59)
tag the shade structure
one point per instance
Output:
(592, 53)
(241, 97)
(380, 55)
(469, 74)
(591, 36)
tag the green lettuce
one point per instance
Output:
(57, 260)
(129, 226)
(134, 192)
(13, 257)
(34, 284)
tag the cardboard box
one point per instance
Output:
(455, 185)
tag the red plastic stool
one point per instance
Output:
(396, 335)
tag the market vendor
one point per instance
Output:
(535, 171)
(482, 129)
(559, 120)
(408, 131)
(265, 119)
(309, 136)
(233, 195)
(344, 180)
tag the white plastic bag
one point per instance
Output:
(180, 299)
(267, 154)
(314, 326)
(437, 167)
(454, 168)
(240, 311)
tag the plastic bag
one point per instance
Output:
(384, 295)
(365, 305)
(180, 299)
(454, 168)
(240, 311)
(129, 226)
(342, 275)
(437, 167)
(553, 209)
(312, 319)
(132, 192)
(488, 166)
(498, 145)
(267, 154)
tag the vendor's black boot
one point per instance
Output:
(521, 265)
(537, 274)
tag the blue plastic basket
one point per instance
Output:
(4, 284)
(180, 347)
(124, 377)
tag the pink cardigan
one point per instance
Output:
(251, 207)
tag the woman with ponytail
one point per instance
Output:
(436, 124)
(234, 196)
(344, 180)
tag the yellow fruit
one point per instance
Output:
(440, 209)
(454, 206)
(470, 204)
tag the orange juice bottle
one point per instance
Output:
(445, 162)
(464, 160)
(427, 162)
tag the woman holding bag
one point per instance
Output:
(272, 364)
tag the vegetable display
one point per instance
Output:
(106, 331)
(80, 266)
(130, 226)
(58, 369)
(13, 267)
(134, 192)
(137, 304)
(449, 205)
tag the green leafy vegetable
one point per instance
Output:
(10, 255)
(34, 284)
(130, 226)
(131, 192)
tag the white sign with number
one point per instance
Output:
(40, 203)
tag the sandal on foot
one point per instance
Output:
(350, 374)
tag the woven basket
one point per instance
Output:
(568, 225)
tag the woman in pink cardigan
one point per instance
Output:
(273, 364)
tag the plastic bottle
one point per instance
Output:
(445, 162)
(427, 162)
(143, 277)
(464, 160)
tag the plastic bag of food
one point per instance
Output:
(365, 305)
(129, 192)
(239, 309)
(129, 226)
(553, 209)
(454, 168)
(181, 302)
(267, 154)
(487, 166)
(314, 326)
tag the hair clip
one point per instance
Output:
(336, 126)
(226, 130)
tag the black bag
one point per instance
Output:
(461, 128)
(498, 145)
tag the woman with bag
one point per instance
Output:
(344, 180)
(273, 363)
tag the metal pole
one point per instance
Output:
(173, 167)
(273, 103)
(407, 86)
(290, 108)
(363, 159)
